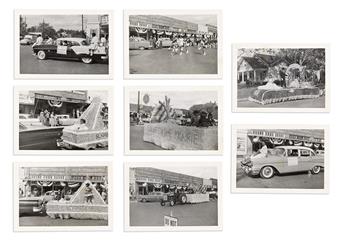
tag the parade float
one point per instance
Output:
(90, 131)
(297, 87)
(77, 207)
(164, 131)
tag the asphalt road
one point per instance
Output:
(152, 214)
(301, 180)
(42, 220)
(306, 103)
(160, 61)
(29, 64)
(136, 141)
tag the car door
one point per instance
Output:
(306, 160)
(292, 163)
(61, 48)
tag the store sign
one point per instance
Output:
(170, 221)
(149, 180)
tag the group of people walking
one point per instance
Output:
(48, 118)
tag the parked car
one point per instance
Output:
(65, 120)
(31, 205)
(164, 42)
(71, 48)
(27, 40)
(151, 197)
(283, 159)
(139, 43)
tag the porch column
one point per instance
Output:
(242, 77)
(254, 75)
(248, 75)
(238, 76)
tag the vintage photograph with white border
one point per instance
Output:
(63, 44)
(173, 44)
(280, 158)
(63, 120)
(184, 120)
(280, 77)
(185, 196)
(62, 196)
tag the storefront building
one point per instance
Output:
(277, 137)
(146, 180)
(147, 26)
(38, 180)
(59, 102)
(98, 24)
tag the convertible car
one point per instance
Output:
(283, 159)
(71, 48)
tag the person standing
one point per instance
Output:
(39, 40)
(88, 194)
(94, 43)
(282, 75)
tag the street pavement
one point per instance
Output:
(43, 220)
(44, 139)
(302, 180)
(29, 64)
(136, 141)
(152, 214)
(160, 61)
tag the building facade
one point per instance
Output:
(146, 180)
(61, 102)
(39, 180)
(98, 24)
(245, 139)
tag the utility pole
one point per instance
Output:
(43, 28)
(82, 25)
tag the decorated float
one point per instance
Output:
(297, 87)
(90, 131)
(77, 207)
(165, 131)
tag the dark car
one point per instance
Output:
(151, 197)
(71, 48)
(31, 205)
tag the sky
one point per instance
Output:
(197, 19)
(196, 171)
(72, 22)
(178, 99)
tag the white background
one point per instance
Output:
(248, 219)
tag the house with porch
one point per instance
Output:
(255, 68)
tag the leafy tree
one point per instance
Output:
(22, 26)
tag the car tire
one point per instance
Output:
(316, 170)
(162, 204)
(86, 60)
(267, 172)
(183, 199)
(141, 48)
(41, 55)
(172, 203)
(143, 200)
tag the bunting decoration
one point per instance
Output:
(141, 30)
(276, 141)
(55, 103)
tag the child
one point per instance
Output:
(88, 194)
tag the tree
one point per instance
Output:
(309, 57)
(22, 26)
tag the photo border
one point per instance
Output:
(126, 67)
(235, 189)
(128, 151)
(155, 164)
(237, 46)
(16, 70)
(17, 151)
(19, 164)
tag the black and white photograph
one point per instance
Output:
(68, 120)
(173, 120)
(172, 44)
(280, 78)
(173, 196)
(63, 44)
(280, 159)
(62, 196)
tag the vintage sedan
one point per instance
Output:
(151, 197)
(164, 42)
(282, 160)
(139, 43)
(31, 205)
(71, 48)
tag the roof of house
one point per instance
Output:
(254, 63)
